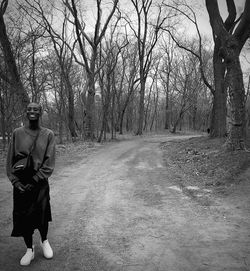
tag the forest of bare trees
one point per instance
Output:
(100, 67)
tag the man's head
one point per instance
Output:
(33, 111)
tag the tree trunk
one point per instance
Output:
(60, 129)
(104, 118)
(130, 92)
(3, 128)
(16, 84)
(154, 118)
(177, 122)
(167, 111)
(71, 113)
(194, 115)
(218, 126)
(147, 111)
(233, 34)
(141, 106)
(218, 118)
(90, 109)
(121, 122)
(236, 136)
(102, 130)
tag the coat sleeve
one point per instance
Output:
(48, 164)
(10, 159)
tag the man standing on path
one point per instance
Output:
(31, 145)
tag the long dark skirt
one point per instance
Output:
(31, 210)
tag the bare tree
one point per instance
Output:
(152, 88)
(89, 60)
(6, 111)
(147, 34)
(165, 74)
(185, 88)
(218, 88)
(231, 37)
(108, 79)
(128, 82)
(13, 76)
(36, 11)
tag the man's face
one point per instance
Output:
(33, 111)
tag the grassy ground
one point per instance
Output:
(206, 163)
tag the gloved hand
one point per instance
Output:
(29, 187)
(18, 185)
(35, 179)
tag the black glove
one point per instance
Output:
(18, 185)
(29, 187)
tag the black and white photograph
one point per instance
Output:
(125, 135)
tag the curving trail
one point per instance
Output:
(121, 208)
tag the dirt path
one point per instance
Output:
(122, 208)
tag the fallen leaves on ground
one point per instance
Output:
(206, 160)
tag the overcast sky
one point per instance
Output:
(199, 5)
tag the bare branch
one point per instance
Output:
(107, 22)
(197, 55)
(77, 27)
(229, 23)
(3, 7)
(215, 19)
(242, 32)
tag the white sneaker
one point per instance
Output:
(47, 250)
(28, 256)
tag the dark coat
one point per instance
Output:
(31, 209)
